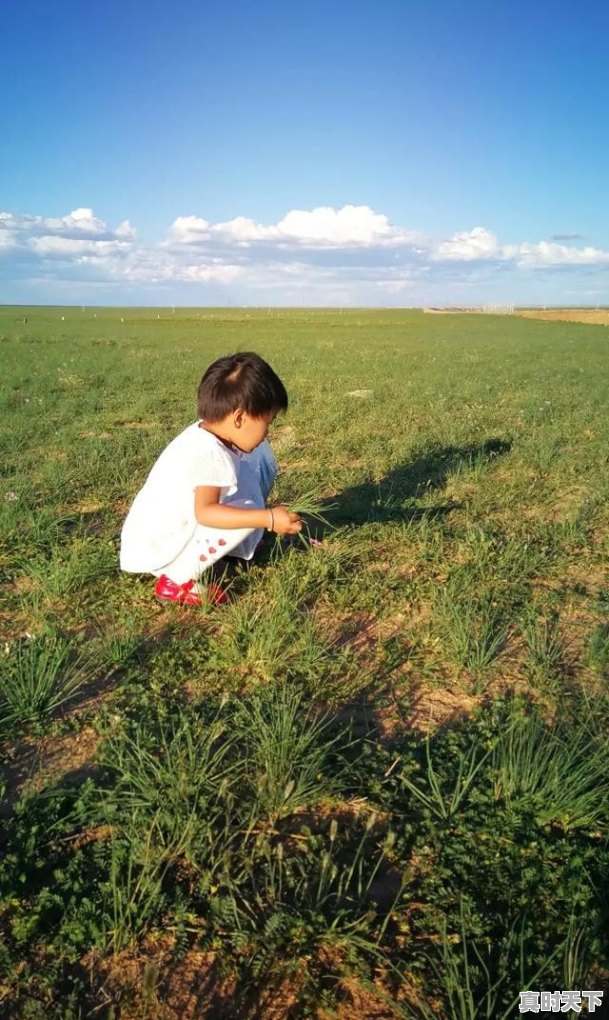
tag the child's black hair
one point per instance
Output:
(242, 380)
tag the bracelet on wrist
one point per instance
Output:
(271, 526)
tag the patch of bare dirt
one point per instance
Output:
(87, 506)
(440, 706)
(357, 631)
(360, 1002)
(592, 316)
(31, 765)
(22, 584)
(152, 983)
(71, 754)
(592, 578)
(120, 506)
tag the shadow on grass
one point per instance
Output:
(388, 500)
(392, 499)
(415, 790)
(38, 755)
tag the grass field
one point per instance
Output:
(376, 784)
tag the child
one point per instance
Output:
(205, 496)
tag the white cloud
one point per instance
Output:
(394, 286)
(480, 244)
(546, 254)
(78, 222)
(352, 226)
(50, 244)
(155, 265)
(81, 220)
(81, 226)
(7, 238)
(242, 231)
(126, 229)
(468, 246)
(218, 273)
(350, 255)
(189, 229)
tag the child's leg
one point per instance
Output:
(263, 462)
(206, 547)
(257, 473)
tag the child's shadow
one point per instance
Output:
(392, 498)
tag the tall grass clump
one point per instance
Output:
(260, 645)
(441, 796)
(471, 984)
(559, 775)
(504, 820)
(598, 648)
(272, 633)
(485, 589)
(136, 896)
(38, 676)
(474, 628)
(172, 781)
(229, 805)
(202, 786)
(289, 747)
(545, 652)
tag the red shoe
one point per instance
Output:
(167, 590)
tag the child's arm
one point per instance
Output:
(209, 511)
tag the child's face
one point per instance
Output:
(249, 432)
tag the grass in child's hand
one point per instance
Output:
(308, 505)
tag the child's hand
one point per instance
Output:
(284, 522)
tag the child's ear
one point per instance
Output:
(238, 417)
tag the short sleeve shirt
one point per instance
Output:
(162, 518)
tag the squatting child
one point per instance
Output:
(205, 497)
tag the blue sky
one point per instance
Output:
(344, 153)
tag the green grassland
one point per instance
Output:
(377, 782)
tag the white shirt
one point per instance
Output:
(162, 519)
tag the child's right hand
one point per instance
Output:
(284, 522)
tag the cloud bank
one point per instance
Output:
(351, 255)
(353, 226)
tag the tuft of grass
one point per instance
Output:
(38, 676)
(308, 505)
(559, 775)
(598, 648)
(545, 651)
(471, 984)
(209, 795)
(434, 794)
(288, 750)
(171, 782)
(272, 634)
(474, 629)
(136, 885)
